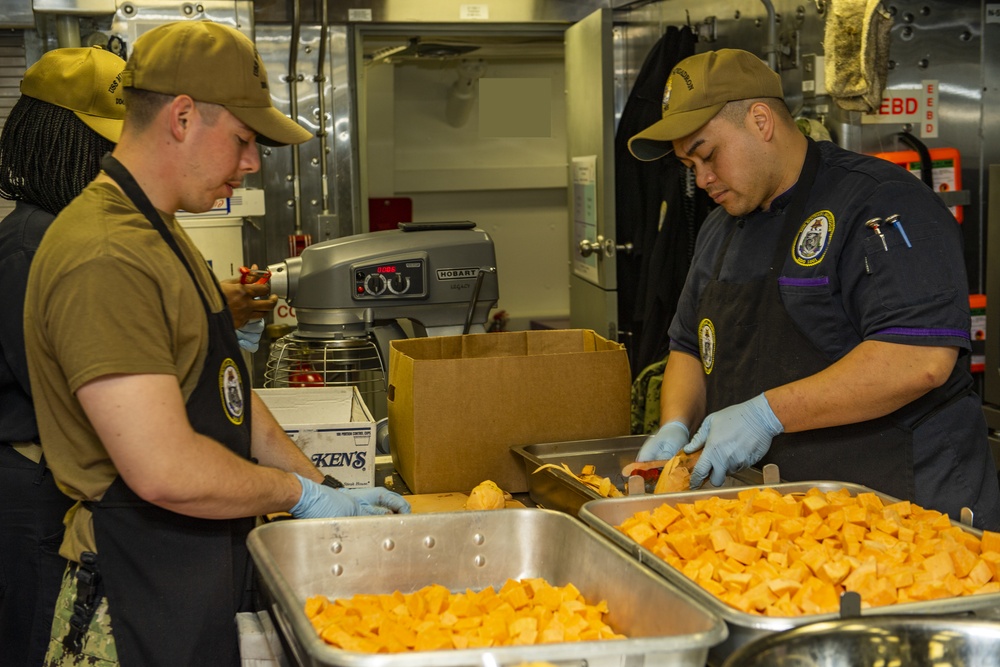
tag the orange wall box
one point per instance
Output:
(977, 309)
(946, 165)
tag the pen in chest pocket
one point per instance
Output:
(875, 225)
(894, 221)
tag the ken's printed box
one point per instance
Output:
(332, 426)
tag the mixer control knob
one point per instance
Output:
(398, 283)
(375, 284)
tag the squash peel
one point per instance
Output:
(587, 477)
(676, 475)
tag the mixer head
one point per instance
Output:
(441, 276)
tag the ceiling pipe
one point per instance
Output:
(462, 94)
(320, 79)
(67, 31)
(293, 103)
(772, 36)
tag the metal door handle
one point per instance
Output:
(624, 248)
(588, 248)
(603, 247)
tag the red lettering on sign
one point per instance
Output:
(930, 115)
(285, 311)
(930, 88)
(884, 109)
(929, 102)
(899, 106)
(929, 128)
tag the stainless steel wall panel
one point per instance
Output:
(131, 19)
(730, 24)
(941, 40)
(449, 11)
(74, 7)
(270, 244)
(16, 14)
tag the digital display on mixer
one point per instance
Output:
(404, 279)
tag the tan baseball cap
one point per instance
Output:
(697, 89)
(212, 63)
(83, 80)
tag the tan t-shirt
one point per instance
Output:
(106, 295)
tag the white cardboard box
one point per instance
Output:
(332, 425)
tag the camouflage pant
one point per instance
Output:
(98, 648)
(646, 389)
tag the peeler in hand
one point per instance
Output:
(254, 276)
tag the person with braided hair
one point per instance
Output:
(68, 116)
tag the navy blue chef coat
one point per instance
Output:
(841, 286)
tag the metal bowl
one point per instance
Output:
(883, 641)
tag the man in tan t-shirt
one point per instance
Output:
(145, 413)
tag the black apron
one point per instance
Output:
(744, 323)
(175, 583)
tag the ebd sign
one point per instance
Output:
(918, 107)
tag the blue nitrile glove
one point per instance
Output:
(380, 496)
(249, 335)
(323, 502)
(734, 438)
(665, 443)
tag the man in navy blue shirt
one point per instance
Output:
(824, 323)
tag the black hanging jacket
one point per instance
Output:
(651, 277)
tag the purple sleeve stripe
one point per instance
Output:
(803, 282)
(925, 333)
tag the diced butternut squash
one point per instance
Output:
(939, 565)
(788, 555)
(643, 533)
(963, 561)
(742, 553)
(990, 541)
(663, 516)
(720, 538)
(529, 611)
(979, 575)
(816, 504)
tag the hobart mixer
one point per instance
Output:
(352, 296)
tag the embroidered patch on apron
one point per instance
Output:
(813, 239)
(231, 390)
(706, 344)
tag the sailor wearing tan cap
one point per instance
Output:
(68, 116)
(145, 410)
(812, 332)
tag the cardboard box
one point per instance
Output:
(332, 425)
(457, 404)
